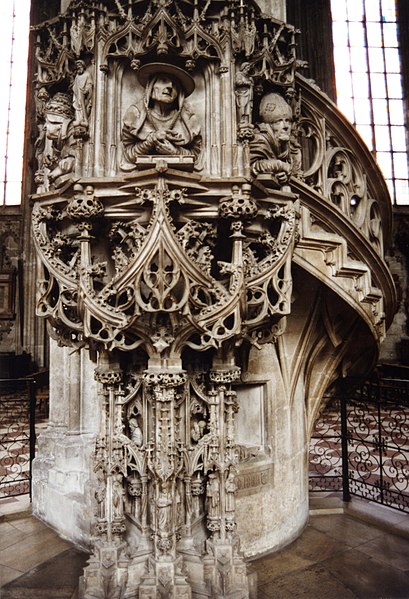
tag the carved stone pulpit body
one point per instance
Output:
(173, 146)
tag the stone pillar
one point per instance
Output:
(61, 470)
(272, 500)
(58, 388)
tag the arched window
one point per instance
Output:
(369, 83)
(14, 28)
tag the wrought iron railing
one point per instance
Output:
(326, 450)
(360, 443)
(17, 435)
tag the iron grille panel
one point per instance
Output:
(376, 437)
(326, 450)
(16, 436)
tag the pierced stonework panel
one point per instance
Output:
(335, 171)
(157, 263)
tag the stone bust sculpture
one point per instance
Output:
(161, 124)
(59, 152)
(272, 150)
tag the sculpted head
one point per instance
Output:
(245, 68)
(165, 83)
(165, 89)
(80, 66)
(276, 112)
(43, 94)
(58, 113)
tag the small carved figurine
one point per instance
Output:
(161, 124)
(136, 433)
(197, 429)
(244, 94)
(41, 99)
(213, 496)
(100, 494)
(164, 505)
(118, 493)
(82, 92)
(231, 489)
(272, 150)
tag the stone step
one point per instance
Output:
(57, 578)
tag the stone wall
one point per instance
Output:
(395, 348)
(10, 277)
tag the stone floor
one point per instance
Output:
(346, 552)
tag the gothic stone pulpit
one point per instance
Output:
(165, 220)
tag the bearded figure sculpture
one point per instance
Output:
(59, 144)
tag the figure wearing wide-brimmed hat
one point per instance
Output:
(161, 123)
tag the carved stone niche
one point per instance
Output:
(149, 128)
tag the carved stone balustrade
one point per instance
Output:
(345, 220)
